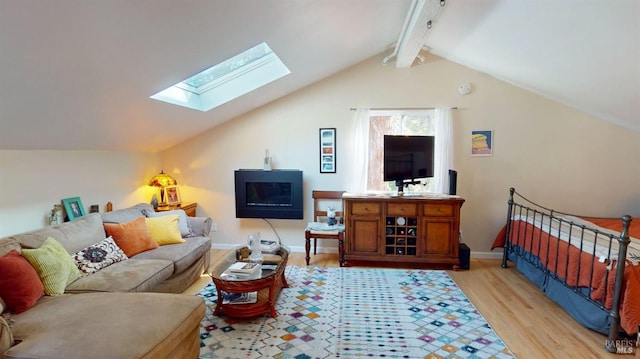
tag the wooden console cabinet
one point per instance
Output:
(405, 230)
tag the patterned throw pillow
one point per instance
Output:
(99, 256)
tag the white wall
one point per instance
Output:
(556, 155)
(31, 182)
(552, 153)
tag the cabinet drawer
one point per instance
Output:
(440, 210)
(361, 208)
(402, 209)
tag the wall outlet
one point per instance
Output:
(214, 227)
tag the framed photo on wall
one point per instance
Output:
(73, 207)
(327, 150)
(482, 143)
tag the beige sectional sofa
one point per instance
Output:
(128, 309)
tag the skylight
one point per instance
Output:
(227, 80)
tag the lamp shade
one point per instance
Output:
(162, 180)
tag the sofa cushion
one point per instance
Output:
(20, 286)
(132, 275)
(164, 230)
(183, 221)
(183, 255)
(126, 214)
(106, 325)
(8, 244)
(201, 226)
(133, 236)
(101, 255)
(75, 235)
(54, 266)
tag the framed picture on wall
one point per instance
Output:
(327, 150)
(482, 143)
(73, 207)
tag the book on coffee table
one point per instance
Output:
(239, 298)
(243, 268)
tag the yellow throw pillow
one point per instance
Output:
(164, 230)
(54, 266)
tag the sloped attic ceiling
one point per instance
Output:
(78, 74)
(583, 53)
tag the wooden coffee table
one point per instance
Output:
(268, 283)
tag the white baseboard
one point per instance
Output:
(486, 255)
(300, 249)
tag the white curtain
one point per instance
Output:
(357, 178)
(443, 156)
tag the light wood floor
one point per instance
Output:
(530, 324)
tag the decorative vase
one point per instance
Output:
(254, 247)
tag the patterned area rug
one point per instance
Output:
(354, 312)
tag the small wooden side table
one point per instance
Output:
(188, 207)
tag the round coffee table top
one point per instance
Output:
(272, 264)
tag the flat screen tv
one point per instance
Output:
(269, 194)
(407, 158)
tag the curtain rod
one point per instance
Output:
(399, 108)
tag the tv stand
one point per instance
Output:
(411, 230)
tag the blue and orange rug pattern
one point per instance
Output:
(356, 313)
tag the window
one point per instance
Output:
(227, 80)
(395, 123)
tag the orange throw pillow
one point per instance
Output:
(132, 237)
(20, 286)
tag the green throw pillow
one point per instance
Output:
(54, 266)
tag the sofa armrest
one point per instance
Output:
(201, 226)
(6, 337)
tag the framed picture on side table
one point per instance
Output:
(74, 208)
(172, 195)
(327, 150)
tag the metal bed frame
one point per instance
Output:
(530, 208)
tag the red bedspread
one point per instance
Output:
(577, 267)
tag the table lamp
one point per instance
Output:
(162, 180)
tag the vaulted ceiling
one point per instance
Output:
(77, 74)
